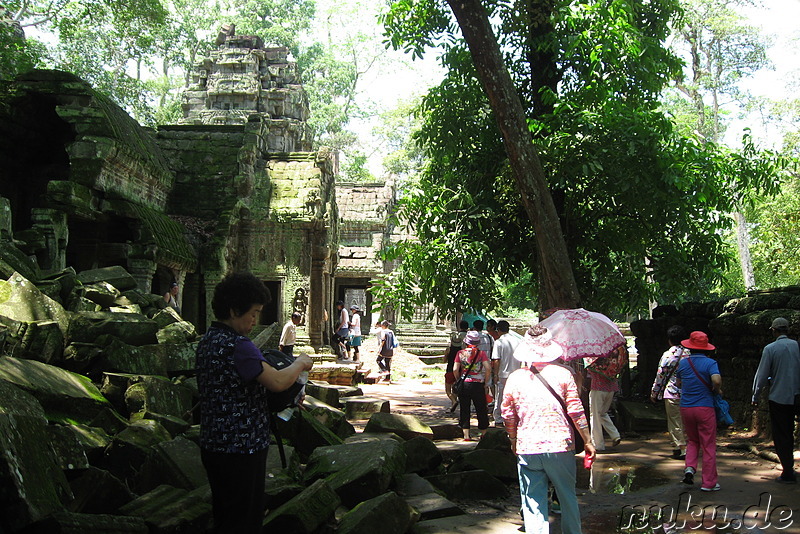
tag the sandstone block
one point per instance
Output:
(101, 293)
(333, 419)
(433, 506)
(67, 448)
(470, 485)
(157, 394)
(115, 275)
(387, 514)
(60, 392)
(500, 464)
(422, 455)
(180, 332)
(168, 509)
(130, 448)
(306, 434)
(97, 491)
(131, 328)
(405, 426)
(306, 512)
(364, 407)
(176, 462)
(325, 461)
(496, 439)
(73, 523)
(33, 483)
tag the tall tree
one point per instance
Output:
(722, 49)
(635, 199)
(559, 281)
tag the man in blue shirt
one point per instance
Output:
(780, 368)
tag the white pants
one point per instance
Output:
(498, 399)
(599, 403)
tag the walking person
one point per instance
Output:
(604, 384)
(699, 379)
(473, 370)
(780, 368)
(233, 378)
(355, 330)
(456, 344)
(542, 409)
(665, 386)
(503, 364)
(289, 334)
(386, 344)
(342, 331)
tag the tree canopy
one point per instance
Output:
(640, 205)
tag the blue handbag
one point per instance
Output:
(721, 406)
(723, 410)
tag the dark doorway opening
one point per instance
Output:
(271, 312)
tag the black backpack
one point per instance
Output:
(284, 399)
(287, 398)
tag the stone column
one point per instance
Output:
(142, 270)
(316, 299)
(53, 225)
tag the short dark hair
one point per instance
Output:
(463, 325)
(297, 315)
(340, 303)
(385, 323)
(238, 292)
(503, 326)
(477, 324)
(676, 334)
(491, 324)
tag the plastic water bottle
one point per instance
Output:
(587, 462)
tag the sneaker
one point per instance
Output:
(786, 480)
(688, 476)
(616, 442)
(715, 488)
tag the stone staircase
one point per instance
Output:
(428, 342)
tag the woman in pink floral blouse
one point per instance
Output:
(541, 431)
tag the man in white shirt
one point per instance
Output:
(503, 364)
(289, 334)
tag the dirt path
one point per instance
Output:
(636, 479)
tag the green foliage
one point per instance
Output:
(18, 54)
(355, 168)
(641, 206)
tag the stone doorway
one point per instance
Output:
(271, 312)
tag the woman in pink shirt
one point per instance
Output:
(539, 421)
(472, 367)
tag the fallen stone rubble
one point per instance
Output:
(98, 428)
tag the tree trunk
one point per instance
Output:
(559, 281)
(743, 241)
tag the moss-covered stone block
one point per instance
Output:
(115, 275)
(158, 395)
(387, 514)
(306, 512)
(131, 328)
(60, 392)
(32, 480)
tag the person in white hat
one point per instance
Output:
(541, 408)
(780, 368)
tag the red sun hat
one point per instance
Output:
(698, 340)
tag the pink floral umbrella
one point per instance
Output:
(583, 333)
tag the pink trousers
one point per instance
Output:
(700, 427)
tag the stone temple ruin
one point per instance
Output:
(234, 186)
(98, 216)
